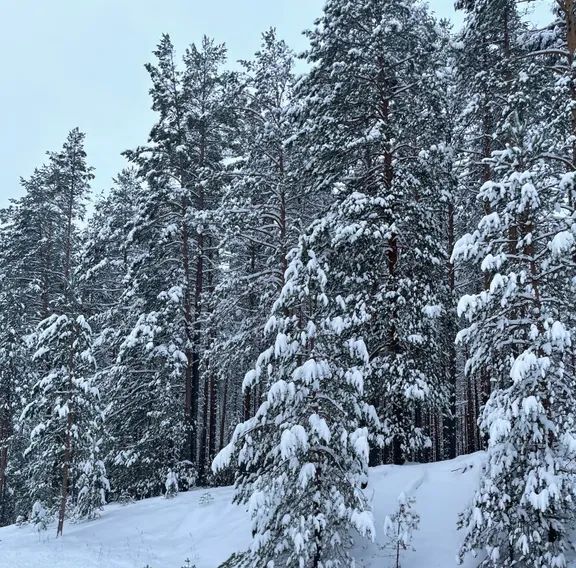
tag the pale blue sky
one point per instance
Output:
(68, 63)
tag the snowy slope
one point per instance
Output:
(162, 533)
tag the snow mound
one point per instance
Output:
(163, 533)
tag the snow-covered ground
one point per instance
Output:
(162, 533)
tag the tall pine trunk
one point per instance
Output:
(5, 433)
(223, 414)
(197, 327)
(190, 451)
(451, 429)
(65, 473)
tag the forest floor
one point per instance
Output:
(163, 533)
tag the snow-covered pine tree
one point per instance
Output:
(553, 50)
(446, 172)
(37, 260)
(367, 129)
(62, 399)
(24, 296)
(522, 513)
(485, 53)
(259, 215)
(66, 419)
(92, 484)
(400, 526)
(10, 364)
(33, 257)
(13, 359)
(303, 458)
(70, 179)
(107, 254)
(163, 305)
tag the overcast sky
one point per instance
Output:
(68, 63)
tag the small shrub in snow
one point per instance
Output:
(125, 498)
(206, 499)
(40, 516)
(92, 486)
(171, 485)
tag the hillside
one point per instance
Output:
(162, 533)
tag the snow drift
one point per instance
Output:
(206, 528)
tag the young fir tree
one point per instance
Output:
(522, 513)
(303, 458)
(171, 485)
(400, 526)
(92, 484)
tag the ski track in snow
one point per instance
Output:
(162, 533)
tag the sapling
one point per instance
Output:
(171, 485)
(400, 527)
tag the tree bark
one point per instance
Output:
(204, 434)
(188, 324)
(223, 413)
(65, 473)
(451, 430)
(5, 433)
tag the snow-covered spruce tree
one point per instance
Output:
(303, 457)
(523, 511)
(367, 129)
(67, 421)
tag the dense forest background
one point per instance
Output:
(304, 276)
